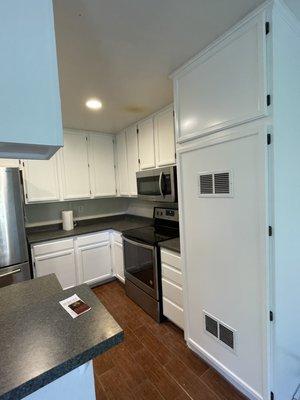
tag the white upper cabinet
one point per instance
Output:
(164, 137)
(225, 85)
(41, 180)
(30, 112)
(75, 166)
(102, 165)
(122, 164)
(132, 158)
(146, 144)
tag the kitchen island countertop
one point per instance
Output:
(39, 340)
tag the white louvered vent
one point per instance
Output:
(206, 184)
(216, 184)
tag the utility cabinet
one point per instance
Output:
(237, 132)
(30, 116)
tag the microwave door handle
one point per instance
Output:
(160, 184)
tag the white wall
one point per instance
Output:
(286, 146)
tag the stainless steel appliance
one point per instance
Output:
(14, 264)
(158, 184)
(142, 260)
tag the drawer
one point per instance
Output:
(52, 247)
(173, 312)
(171, 258)
(171, 274)
(117, 237)
(93, 238)
(172, 292)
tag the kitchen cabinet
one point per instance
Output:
(75, 166)
(172, 286)
(121, 150)
(118, 256)
(225, 85)
(93, 257)
(102, 165)
(90, 259)
(146, 143)
(132, 158)
(164, 137)
(41, 180)
(30, 122)
(56, 257)
(239, 202)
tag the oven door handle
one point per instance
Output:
(15, 271)
(145, 246)
(159, 184)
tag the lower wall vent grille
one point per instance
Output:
(220, 331)
(226, 336)
(211, 326)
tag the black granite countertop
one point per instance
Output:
(171, 244)
(118, 223)
(39, 340)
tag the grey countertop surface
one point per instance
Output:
(171, 244)
(118, 222)
(39, 340)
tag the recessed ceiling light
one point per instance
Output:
(93, 104)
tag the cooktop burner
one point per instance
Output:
(151, 234)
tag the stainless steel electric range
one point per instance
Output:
(142, 260)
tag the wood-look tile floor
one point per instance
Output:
(153, 362)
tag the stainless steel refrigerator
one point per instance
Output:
(14, 263)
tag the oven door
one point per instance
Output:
(157, 185)
(140, 263)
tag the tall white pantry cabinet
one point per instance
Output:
(238, 143)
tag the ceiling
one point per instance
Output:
(122, 51)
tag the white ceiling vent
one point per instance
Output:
(215, 184)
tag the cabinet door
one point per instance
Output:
(102, 165)
(94, 262)
(164, 138)
(146, 144)
(118, 260)
(61, 263)
(41, 182)
(75, 173)
(225, 86)
(122, 164)
(132, 158)
(30, 123)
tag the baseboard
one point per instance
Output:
(242, 386)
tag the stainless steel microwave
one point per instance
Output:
(158, 184)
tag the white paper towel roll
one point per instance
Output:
(67, 217)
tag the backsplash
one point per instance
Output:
(145, 208)
(49, 213)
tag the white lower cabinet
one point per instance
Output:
(117, 256)
(56, 257)
(172, 287)
(93, 257)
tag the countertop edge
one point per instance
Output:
(60, 370)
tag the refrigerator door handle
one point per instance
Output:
(15, 271)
